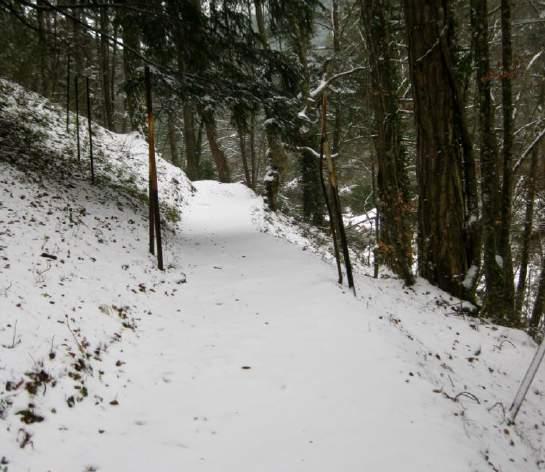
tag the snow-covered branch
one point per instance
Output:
(327, 82)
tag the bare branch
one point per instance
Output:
(535, 142)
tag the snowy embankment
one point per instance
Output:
(243, 355)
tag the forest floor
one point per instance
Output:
(243, 355)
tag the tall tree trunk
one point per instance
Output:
(539, 305)
(260, 20)
(313, 202)
(131, 38)
(104, 53)
(43, 50)
(188, 61)
(511, 314)
(244, 154)
(253, 157)
(277, 161)
(446, 249)
(527, 232)
(172, 139)
(77, 41)
(393, 194)
(192, 151)
(277, 158)
(222, 166)
(337, 127)
(113, 68)
(495, 303)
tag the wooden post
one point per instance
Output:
(67, 94)
(90, 130)
(323, 138)
(76, 84)
(336, 201)
(155, 220)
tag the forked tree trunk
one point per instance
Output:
(222, 166)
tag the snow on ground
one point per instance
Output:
(244, 355)
(121, 160)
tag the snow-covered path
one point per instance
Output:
(258, 362)
(261, 363)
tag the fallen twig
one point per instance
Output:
(81, 349)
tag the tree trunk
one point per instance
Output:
(313, 210)
(511, 315)
(172, 139)
(539, 306)
(495, 297)
(131, 39)
(104, 52)
(277, 161)
(244, 154)
(77, 40)
(188, 61)
(260, 20)
(527, 232)
(395, 234)
(446, 249)
(192, 155)
(276, 155)
(43, 50)
(222, 166)
(253, 157)
(113, 83)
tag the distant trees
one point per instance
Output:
(444, 99)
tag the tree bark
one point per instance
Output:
(104, 52)
(496, 303)
(446, 246)
(222, 166)
(527, 232)
(173, 139)
(131, 63)
(244, 155)
(276, 155)
(394, 204)
(187, 62)
(507, 187)
(539, 306)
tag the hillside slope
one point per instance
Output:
(243, 355)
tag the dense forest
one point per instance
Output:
(429, 114)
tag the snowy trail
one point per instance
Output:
(260, 362)
(322, 390)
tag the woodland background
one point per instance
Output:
(435, 117)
